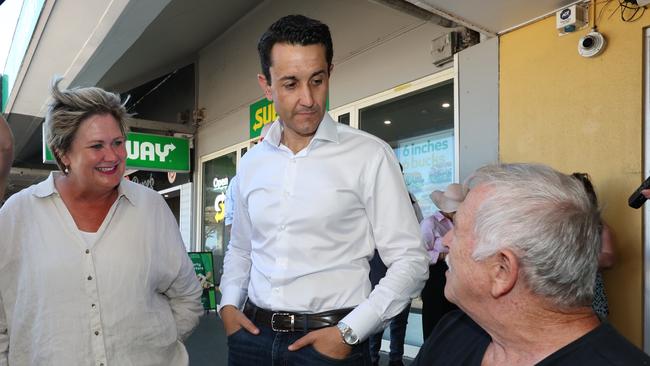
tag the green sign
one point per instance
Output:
(261, 114)
(150, 152)
(4, 92)
(204, 269)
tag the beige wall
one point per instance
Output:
(375, 49)
(580, 114)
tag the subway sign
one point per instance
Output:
(261, 114)
(150, 152)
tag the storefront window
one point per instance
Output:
(344, 119)
(420, 128)
(217, 174)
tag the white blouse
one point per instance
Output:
(126, 299)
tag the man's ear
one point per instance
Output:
(504, 272)
(266, 86)
(329, 73)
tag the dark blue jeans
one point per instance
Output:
(269, 348)
(397, 334)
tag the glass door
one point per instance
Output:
(217, 174)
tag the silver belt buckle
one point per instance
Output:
(292, 317)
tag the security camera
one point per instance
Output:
(591, 45)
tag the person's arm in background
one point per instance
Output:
(416, 208)
(6, 154)
(236, 269)
(607, 256)
(229, 204)
(426, 230)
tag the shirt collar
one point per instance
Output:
(327, 131)
(47, 188)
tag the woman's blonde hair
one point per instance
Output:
(70, 107)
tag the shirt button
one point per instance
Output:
(87, 251)
(101, 364)
(96, 332)
(282, 227)
(92, 306)
(90, 278)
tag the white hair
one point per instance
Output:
(547, 219)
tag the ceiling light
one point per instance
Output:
(387, 122)
(446, 105)
(166, 196)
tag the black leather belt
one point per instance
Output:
(285, 321)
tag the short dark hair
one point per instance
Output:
(295, 30)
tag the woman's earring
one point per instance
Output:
(66, 170)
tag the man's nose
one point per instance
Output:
(306, 97)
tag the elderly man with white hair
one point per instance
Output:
(522, 263)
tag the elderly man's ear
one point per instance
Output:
(504, 270)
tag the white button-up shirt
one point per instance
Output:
(126, 299)
(307, 224)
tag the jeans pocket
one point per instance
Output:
(236, 334)
(354, 358)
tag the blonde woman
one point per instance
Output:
(93, 270)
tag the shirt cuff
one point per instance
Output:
(232, 296)
(363, 321)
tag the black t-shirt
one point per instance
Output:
(458, 340)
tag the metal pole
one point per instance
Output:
(646, 208)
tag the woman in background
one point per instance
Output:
(434, 303)
(607, 255)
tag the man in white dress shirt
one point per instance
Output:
(313, 202)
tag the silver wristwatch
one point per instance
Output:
(347, 334)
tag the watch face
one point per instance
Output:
(348, 335)
(351, 338)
